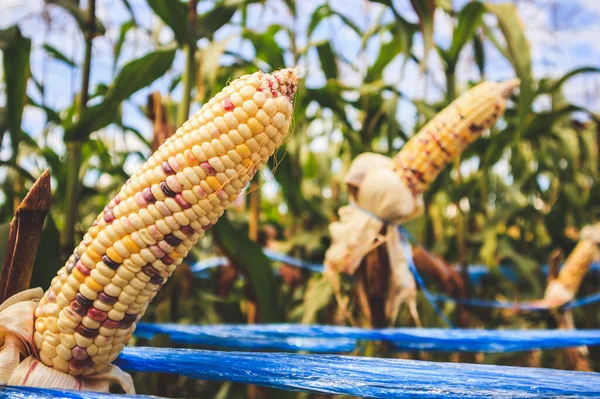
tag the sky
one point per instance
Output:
(561, 34)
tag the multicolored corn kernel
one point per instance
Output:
(145, 232)
(449, 133)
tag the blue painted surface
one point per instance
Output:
(319, 338)
(362, 376)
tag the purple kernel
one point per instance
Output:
(156, 280)
(78, 309)
(83, 301)
(87, 332)
(107, 299)
(165, 189)
(128, 320)
(167, 168)
(166, 260)
(148, 196)
(109, 262)
(150, 271)
(172, 240)
(187, 230)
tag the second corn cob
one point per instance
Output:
(89, 313)
(450, 132)
(565, 286)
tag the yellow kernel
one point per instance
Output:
(77, 274)
(247, 163)
(93, 231)
(112, 254)
(93, 285)
(129, 244)
(93, 254)
(255, 126)
(243, 150)
(213, 183)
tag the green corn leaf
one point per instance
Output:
(174, 14)
(134, 76)
(15, 49)
(248, 257)
(328, 60)
(57, 55)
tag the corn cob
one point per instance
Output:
(451, 131)
(565, 286)
(91, 309)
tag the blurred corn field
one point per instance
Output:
(90, 88)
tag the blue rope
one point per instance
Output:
(593, 298)
(200, 268)
(363, 376)
(418, 278)
(336, 339)
(475, 272)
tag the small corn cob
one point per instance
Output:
(565, 286)
(91, 309)
(450, 132)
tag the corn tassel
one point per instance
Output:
(91, 309)
(450, 132)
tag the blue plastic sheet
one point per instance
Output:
(12, 392)
(362, 376)
(224, 337)
(310, 337)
